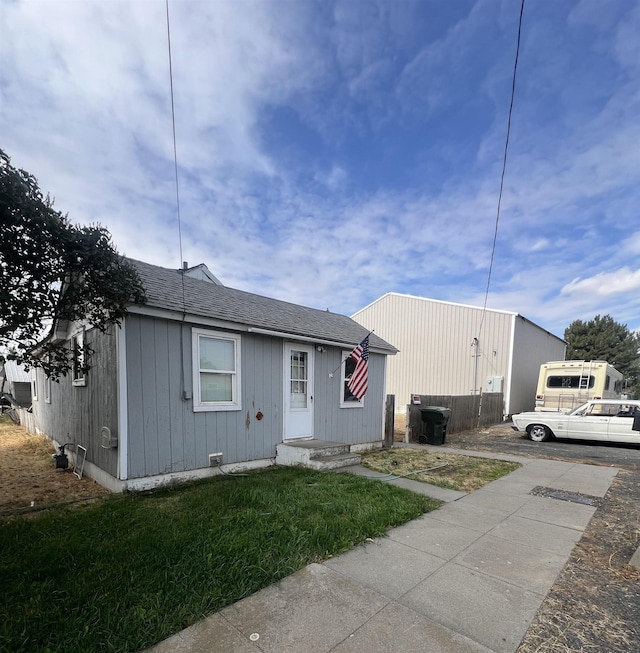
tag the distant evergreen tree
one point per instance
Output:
(605, 339)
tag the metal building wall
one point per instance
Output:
(532, 347)
(434, 339)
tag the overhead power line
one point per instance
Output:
(173, 125)
(184, 391)
(504, 165)
(476, 340)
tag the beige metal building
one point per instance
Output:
(455, 349)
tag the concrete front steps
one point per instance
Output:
(315, 454)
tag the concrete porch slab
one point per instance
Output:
(322, 455)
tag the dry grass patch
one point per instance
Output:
(28, 476)
(452, 471)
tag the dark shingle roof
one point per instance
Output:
(164, 290)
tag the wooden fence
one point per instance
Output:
(467, 411)
(389, 413)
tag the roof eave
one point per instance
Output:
(164, 313)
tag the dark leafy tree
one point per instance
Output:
(605, 339)
(53, 273)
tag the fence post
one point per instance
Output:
(389, 415)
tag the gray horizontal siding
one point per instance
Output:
(78, 413)
(166, 435)
(349, 425)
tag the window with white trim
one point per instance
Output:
(78, 354)
(34, 384)
(347, 399)
(216, 370)
(47, 389)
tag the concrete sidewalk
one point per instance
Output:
(467, 577)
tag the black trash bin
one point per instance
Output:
(434, 424)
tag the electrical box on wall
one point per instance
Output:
(215, 459)
(494, 384)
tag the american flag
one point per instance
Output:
(359, 381)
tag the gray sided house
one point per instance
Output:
(202, 374)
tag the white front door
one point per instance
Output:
(298, 391)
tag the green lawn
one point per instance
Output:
(127, 572)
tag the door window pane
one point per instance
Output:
(298, 379)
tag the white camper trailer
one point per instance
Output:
(564, 385)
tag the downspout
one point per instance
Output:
(509, 380)
(384, 397)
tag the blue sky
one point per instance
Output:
(330, 152)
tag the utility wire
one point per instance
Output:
(504, 166)
(175, 167)
(175, 149)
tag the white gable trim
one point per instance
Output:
(123, 407)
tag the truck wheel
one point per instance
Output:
(539, 433)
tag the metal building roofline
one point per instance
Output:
(442, 301)
(437, 301)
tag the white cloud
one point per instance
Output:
(605, 283)
(86, 101)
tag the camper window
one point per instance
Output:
(569, 382)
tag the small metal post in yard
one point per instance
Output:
(389, 415)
